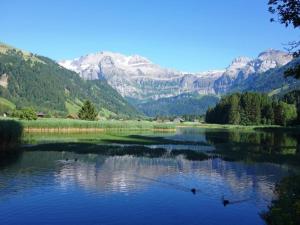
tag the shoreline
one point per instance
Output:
(91, 130)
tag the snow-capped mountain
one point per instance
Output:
(137, 77)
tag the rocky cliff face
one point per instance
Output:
(243, 68)
(139, 78)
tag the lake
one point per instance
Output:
(59, 180)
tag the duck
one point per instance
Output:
(225, 201)
(193, 190)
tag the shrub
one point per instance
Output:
(25, 114)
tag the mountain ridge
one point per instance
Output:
(148, 81)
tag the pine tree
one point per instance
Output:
(87, 111)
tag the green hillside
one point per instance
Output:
(184, 104)
(37, 81)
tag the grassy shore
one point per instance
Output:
(71, 125)
(59, 125)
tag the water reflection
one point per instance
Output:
(121, 183)
(107, 175)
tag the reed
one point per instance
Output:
(52, 123)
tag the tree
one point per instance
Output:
(284, 113)
(288, 12)
(25, 114)
(234, 114)
(87, 111)
(268, 114)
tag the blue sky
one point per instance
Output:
(189, 35)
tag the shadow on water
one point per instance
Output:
(133, 139)
(10, 137)
(10, 134)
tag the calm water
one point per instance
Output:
(41, 187)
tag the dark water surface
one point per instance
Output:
(41, 187)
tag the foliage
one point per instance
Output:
(25, 114)
(39, 82)
(251, 109)
(284, 113)
(286, 209)
(293, 97)
(87, 111)
(288, 12)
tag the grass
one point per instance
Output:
(7, 104)
(72, 108)
(60, 123)
(105, 124)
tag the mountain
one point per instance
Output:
(153, 89)
(271, 81)
(27, 79)
(242, 70)
(183, 104)
(139, 78)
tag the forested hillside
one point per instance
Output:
(184, 104)
(252, 109)
(37, 81)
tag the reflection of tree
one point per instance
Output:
(263, 145)
(285, 209)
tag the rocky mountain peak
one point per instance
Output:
(137, 77)
(242, 60)
(136, 59)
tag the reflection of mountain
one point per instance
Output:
(105, 175)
